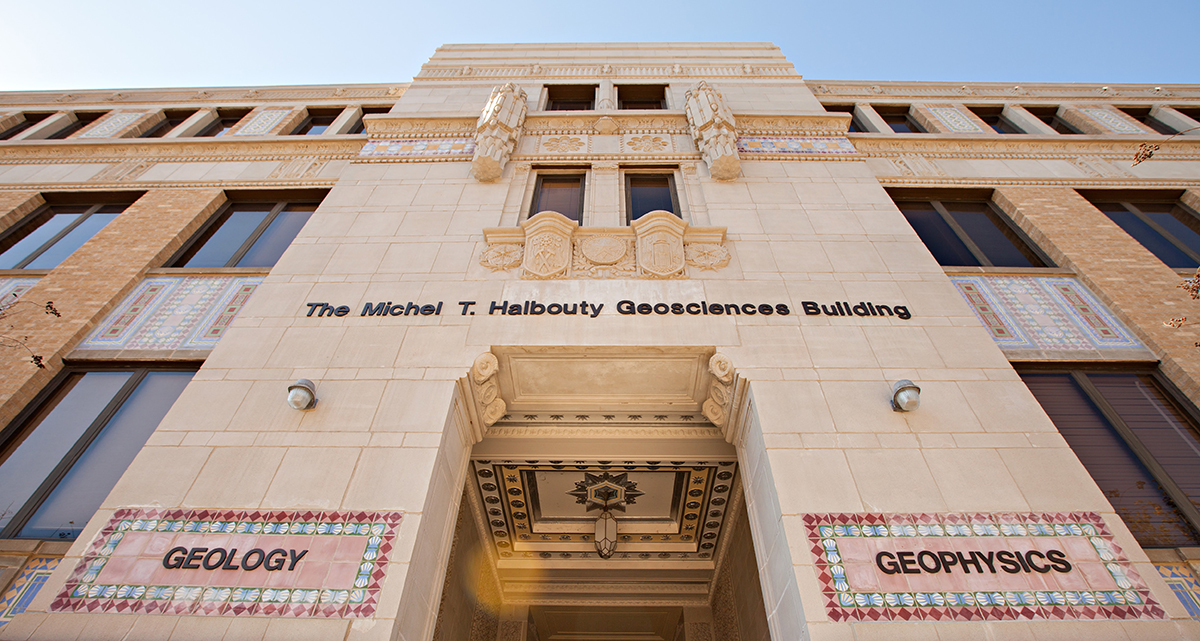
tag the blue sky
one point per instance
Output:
(82, 44)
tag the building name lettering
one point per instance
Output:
(211, 559)
(624, 307)
(1011, 562)
(840, 308)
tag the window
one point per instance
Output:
(641, 97)
(969, 233)
(52, 233)
(226, 119)
(82, 120)
(645, 192)
(994, 118)
(62, 460)
(1141, 447)
(896, 116)
(1049, 115)
(855, 127)
(1168, 229)
(247, 235)
(562, 193)
(570, 97)
(317, 122)
(1142, 115)
(173, 118)
(359, 127)
(1190, 112)
(30, 120)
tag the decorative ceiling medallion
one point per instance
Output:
(605, 491)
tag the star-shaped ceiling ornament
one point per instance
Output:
(605, 492)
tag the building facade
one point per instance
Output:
(564, 342)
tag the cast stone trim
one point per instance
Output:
(498, 130)
(725, 395)
(714, 130)
(659, 245)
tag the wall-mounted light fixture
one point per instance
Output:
(906, 396)
(302, 395)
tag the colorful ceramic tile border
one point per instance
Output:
(112, 124)
(794, 145)
(1111, 121)
(1101, 583)
(11, 288)
(955, 121)
(1043, 313)
(26, 586)
(174, 312)
(1183, 583)
(419, 148)
(263, 122)
(340, 577)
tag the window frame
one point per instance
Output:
(1078, 374)
(893, 112)
(563, 172)
(663, 104)
(10, 436)
(62, 233)
(965, 238)
(1159, 229)
(550, 99)
(219, 219)
(626, 182)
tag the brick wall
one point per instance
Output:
(89, 283)
(1141, 290)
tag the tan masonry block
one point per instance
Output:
(16, 205)
(1140, 290)
(134, 129)
(10, 119)
(1089, 125)
(286, 125)
(93, 280)
(927, 120)
(930, 122)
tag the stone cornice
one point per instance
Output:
(535, 71)
(181, 150)
(867, 90)
(203, 96)
(1020, 146)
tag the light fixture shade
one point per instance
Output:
(606, 535)
(302, 395)
(906, 396)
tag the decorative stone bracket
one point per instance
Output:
(713, 129)
(659, 245)
(481, 395)
(498, 130)
(725, 398)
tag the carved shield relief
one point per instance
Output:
(660, 244)
(547, 245)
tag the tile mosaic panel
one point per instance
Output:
(1043, 313)
(262, 123)
(131, 566)
(1112, 121)
(419, 148)
(174, 312)
(1071, 568)
(955, 121)
(112, 124)
(26, 586)
(1183, 583)
(794, 145)
(11, 288)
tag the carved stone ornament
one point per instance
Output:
(547, 245)
(659, 245)
(720, 394)
(487, 389)
(498, 130)
(714, 130)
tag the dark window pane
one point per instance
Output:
(561, 194)
(33, 235)
(938, 237)
(74, 239)
(1145, 234)
(900, 126)
(1133, 492)
(1178, 222)
(1159, 425)
(649, 193)
(82, 490)
(222, 242)
(316, 130)
(995, 239)
(52, 433)
(265, 251)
